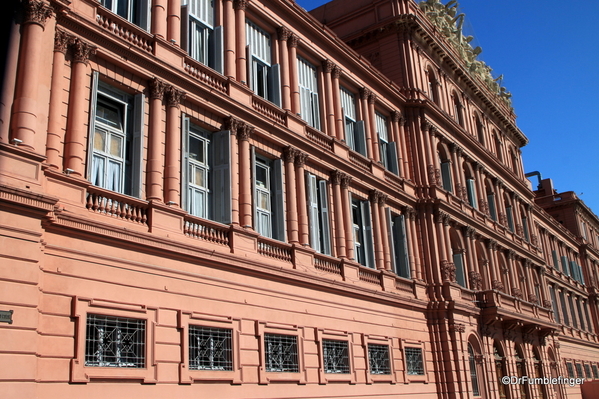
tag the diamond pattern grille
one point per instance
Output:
(281, 353)
(335, 355)
(378, 359)
(210, 349)
(115, 342)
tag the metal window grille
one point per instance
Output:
(595, 371)
(579, 371)
(210, 348)
(335, 356)
(587, 371)
(414, 361)
(115, 342)
(473, 375)
(570, 369)
(281, 353)
(378, 359)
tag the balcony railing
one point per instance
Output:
(206, 75)
(119, 27)
(269, 110)
(359, 160)
(319, 138)
(369, 275)
(206, 230)
(116, 205)
(274, 249)
(327, 264)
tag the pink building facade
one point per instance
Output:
(239, 199)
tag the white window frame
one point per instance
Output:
(471, 191)
(308, 88)
(388, 149)
(264, 77)
(398, 243)
(269, 222)
(319, 214)
(203, 41)
(128, 180)
(139, 17)
(362, 228)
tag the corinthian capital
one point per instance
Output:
(82, 51)
(36, 12)
(174, 96)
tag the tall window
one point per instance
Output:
(458, 109)
(308, 88)
(281, 353)
(492, 206)
(115, 342)
(269, 212)
(458, 261)
(500, 370)
(335, 356)
(363, 244)
(399, 244)
(388, 149)
(318, 206)
(480, 131)
(525, 227)
(471, 191)
(206, 179)
(115, 153)
(135, 11)
(202, 40)
(473, 373)
(521, 371)
(210, 348)
(554, 304)
(432, 86)
(562, 300)
(263, 77)
(445, 163)
(354, 130)
(509, 216)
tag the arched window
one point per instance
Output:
(525, 230)
(491, 200)
(498, 149)
(500, 370)
(480, 131)
(458, 250)
(509, 215)
(514, 161)
(473, 371)
(432, 85)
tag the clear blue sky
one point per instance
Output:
(548, 53)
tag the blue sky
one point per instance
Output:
(548, 53)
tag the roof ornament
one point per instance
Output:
(446, 19)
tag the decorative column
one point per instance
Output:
(78, 105)
(300, 179)
(448, 270)
(410, 220)
(289, 156)
(232, 125)
(328, 66)
(338, 112)
(458, 175)
(474, 276)
(159, 18)
(155, 161)
(398, 125)
(244, 131)
(510, 269)
(229, 33)
(54, 147)
(172, 170)
(295, 95)
(496, 280)
(284, 35)
(388, 265)
(25, 108)
(376, 198)
(347, 216)
(240, 41)
(339, 214)
(364, 98)
(174, 21)
(376, 153)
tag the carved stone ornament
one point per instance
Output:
(396, 116)
(36, 12)
(157, 89)
(532, 298)
(336, 73)
(372, 98)
(345, 181)
(239, 128)
(336, 177)
(289, 154)
(448, 271)
(328, 66)
(174, 96)
(476, 280)
(365, 93)
(457, 327)
(498, 285)
(300, 159)
(293, 40)
(517, 292)
(284, 33)
(409, 212)
(240, 4)
(62, 41)
(82, 51)
(509, 335)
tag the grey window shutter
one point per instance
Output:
(391, 238)
(471, 192)
(565, 267)
(510, 218)
(446, 176)
(555, 259)
(402, 238)
(185, 28)
(139, 102)
(324, 217)
(313, 212)
(581, 274)
(316, 110)
(458, 261)
(367, 234)
(492, 210)
(360, 138)
(278, 217)
(250, 67)
(392, 157)
(92, 122)
(274, 85)
(221, 181)
(184, 162)
(254, 193)
(218, 37)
